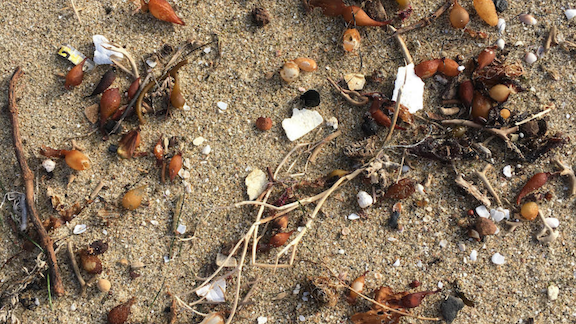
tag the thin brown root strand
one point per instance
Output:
(318, 148)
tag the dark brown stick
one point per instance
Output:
(45, 240)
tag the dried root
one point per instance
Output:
(567, 171)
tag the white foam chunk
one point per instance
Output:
(301, 123)
(413, 91)
(102, 55)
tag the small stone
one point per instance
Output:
(221, 261)
(302, 318)
(498, 259)
(49, 165)
(485, 226)
(530, 58)
(473, 255)
(311, 98)
(222, 105)
(528, 19)
(264, 123)
(482, 211)
(553, 292)
(207, 50)
(262, 320)
(198, 141)
(260, 16)
(79, 229)
(92, 113)
(103, 285)
(135, 265)
(443, 243)
(123, 262)
(552, 222)
(507, 171)
(206, 150)
(501, 5)
(73, 307)
(364, 199)
(369, 126)
(462, 246)
(450, 308)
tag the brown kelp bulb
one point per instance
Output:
(77, 160)
(486, 57)
(109, 103)
(505, 113)
(133, 198)
(448, 67)
(158, 150)
(119, 314)
(500, 92)
(357, 287)
(290, 71)
(175, 166)
(356, 16)
(351, 40)
(131, 92)
(128, 144)
(75, 75)
(427, 69)
(162, 10)
(279, 239)
(106, 81)
(459, 17)
(480, 106)
(90, 263)
(529, 211)
(306, 64)
(487, 11)
(176, 98)
(466, 93)
(264, 123)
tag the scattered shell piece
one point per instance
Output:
(443, 243)
(221, 261)
(501, 26)
(49, 165)
(364, 199)
(482, 211)
(256, 183)
(473, 255)
(79, 229)
(198, 141)
(498, 259)
(570, 13)
(528, 19)
(262, 320)
(499, 214)
(151, 62)
(181, 229)
(413, 91)
(332, 122)
(102, 55)
(354, 216)
(214, 292)
(346, 231)
(92, 113)
(530, 58)
(184, 174)
(553, 292)
(519, 43)
(206, 150)
(222, 105)
(507, 171)
(301, 123)
(552, 222)
(355, 81)
(397, 263)
(462, 246)
(500, 43)
(154, 222)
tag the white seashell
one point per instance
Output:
(222, 105)
(206, 150)
(214, 292)
(501, 26)
(49, 165)
(353, 216)
(79, 229)
(473, 255)
(482, 211)
(397, 263)
(498, 258)
(552, 222)
(198, 141)
(364, 199)
(530, 58)
(507, 171)
(301, 123)
(256, 183)
(499, 214)
(528, 19)
(500, 43)
(570, 13)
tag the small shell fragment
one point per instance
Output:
(289, 72)
(198, 141)
(49, 165)
(500, 43)
(507, 171)
(553, 292)
(473, 255)
(355, 81)
(570, 13)
(501, 26)
(498, 259)
(364, 199)
(256, 183)
(552, 222)
(79, 229)
(528, 19)
(301, 123)
(206, 150)
(530, 58)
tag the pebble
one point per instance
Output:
(49, 165)
(507, 171)
(256, 182)
(364, 199)
(198, 141)
(528, 19)
(500, 43)
(473, 255)
(123, 262)
(553, 292)
(482, 211)
(552, 222)
(135, 265)
(498, 259)
(530, 58)
(222, 105)
(206, 150)
(462, 246)
(450, 308)
(501, 5)
(79, 229)
(103, 285)
(570, 13)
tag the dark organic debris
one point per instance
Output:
(450, 308)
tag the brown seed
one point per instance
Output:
(500, 92)
(351, 40)
(175, 166)
(529, 211)
(306, 64)
(279, 239)
(133, 89)
(133, 198)
(281, 223)
(486, 57)
(485, 226)
(459, 17)
(264, 123)
(466, 93)
(119, 314)
(402, 189)
(106, 81)
(448, 67)
(427, 69)
(480, 106)
(487, 11)
(75, 75)
(90, 263)
(159, 150)
(128, 144)
(109, 103)
(176, 98)
(76, 160)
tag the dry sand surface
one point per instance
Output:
(432, 248)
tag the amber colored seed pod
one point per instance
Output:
(133, 198)
(529, 211)
(290, 71)
(264, 123)
(133, 89)
(120, 313)
(281, 223)
(428, 68)
(500, 92)
(351, 40)
(480, 106)
(176, 98)
(90, 263)
(306, 64)
(75, 75)
(505, 113)
(459, 17)
(487, 11)
(486, 57)
(162, 10)
(175, 166)
(109, 103)
(279, 239)
(76, 160)
(466, 93)
(356, 16)
(448, 67)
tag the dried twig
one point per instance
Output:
(76, 269)
(112, 47)
(547, 234)
(75, 11)
(45, 240)
(318, 148)
(482, 176)
(353, 97)
(566, 170)
(426, 21)
(470, 188)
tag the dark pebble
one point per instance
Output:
(450, 308)
(113, 148)
(501, 5)
(369, 126)
(311, 98)
(109, 126)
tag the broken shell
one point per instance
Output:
(351, 40)
(427, 69)
(49, 165)
(528, 19)
(213, 318)
(570, 13)
(364, 199)
(133, 198)
(355, 81)
(357, 287)
(500, 92)
(289, 72)
(530, 58)
(501, 26)
(448, 67)
(77, 160)
(306, 64)
(529, 211)
(500, 43)
(459, 17)
(264, 123)
(487, 11)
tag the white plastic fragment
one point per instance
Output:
(102, 55)
(552, 222)
(79, 229)
(256, 183)
(206, 150)
(500, 43)
(49, 165)
(221, 261)
(222, 105)
(473, 255)
(413, 91)
(482, 211)
(570, 13)
(364, 199)
(355, 81)
(498, 259)
(530, 58)
(507, 171)
(301, 123)
(214, 292)
(553, 292)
